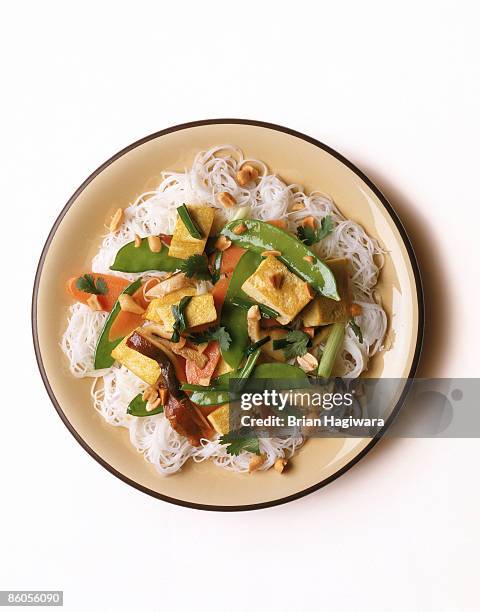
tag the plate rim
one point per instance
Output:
(418, 286)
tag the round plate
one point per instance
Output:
(76, 235)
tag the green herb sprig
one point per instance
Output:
(310, 235)
(196, 266)
(213, 333)
(88, 284)
(238, 443)
(295, 344)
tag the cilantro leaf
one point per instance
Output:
(88, 284)
(295, 344)
(356, 329)
(196, 265)
(213, 333)
(237, 443)
(180, 324)
(326, 228)
(310, 235)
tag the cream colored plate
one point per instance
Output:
(75, 238)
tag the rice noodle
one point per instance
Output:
(154, 212)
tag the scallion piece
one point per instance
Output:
(256, 345)
(265, 311)
(334, 342)
(280, 344)
(189, 222)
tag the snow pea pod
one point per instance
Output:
(140, 259)
(234, 318)
(260, 236)
(137, 407)
(104, 348)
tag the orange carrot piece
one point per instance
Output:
(126, 322)
(115, 287)
(219, 292)
(230, 259)
(195, 374)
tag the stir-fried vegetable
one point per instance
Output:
(114, 286)
(137, 407)
(311, 235)
(105, 346)
(260, 237)
(334, 342)
(217, 392)
(196, 266)
(246, 303)
(189, 222)
(212, 333)
(233, 318)
(294, 344)
(140, 259)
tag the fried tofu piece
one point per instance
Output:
(220, 419)
(274, 285)
(323, 310)
(222, 368)
(145, 368)
(184, 245)
(200, 309)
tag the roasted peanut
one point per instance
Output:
(279, 465)
(223, 243)
(247, 174)
(154, 244)
(226, 199)
(256, 462)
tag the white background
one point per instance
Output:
(395, 87)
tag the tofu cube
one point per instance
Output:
(323, 310)
(145, 368)
(288, 299)
(184, 245)
(220, 419)
(200, 309)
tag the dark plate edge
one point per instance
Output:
(420, 302)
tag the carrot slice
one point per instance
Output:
(195, 374)
(115, 287)
(126, 322)
(219, 292)
(230, 259)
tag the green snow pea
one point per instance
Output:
(140, 259)
(260, 236)
(103, 357)
(137, 407)
(234, 318)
